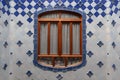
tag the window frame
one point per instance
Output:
(36, 41)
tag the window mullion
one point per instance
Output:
(38, 38)
(59, 38)
(80, 38)
(48, 45)
(71, 38)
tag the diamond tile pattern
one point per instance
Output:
(90, 54)
(29, 53)
(90, 74)
(29, 73)
(5, 44)
(100, 24)
(59, 77)
(5, 66)
(5, 6)
(113, 45)
(19, 63)
(100, 64)
(90, 34)
(6, 22)
(114, 67)
(19, 23)
(113, 23)
(29, 33)
(19, 43)
(100, 44)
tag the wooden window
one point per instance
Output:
(59, 39)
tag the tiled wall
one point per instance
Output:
(17, 35)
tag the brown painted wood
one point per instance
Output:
(59, 38)
(38, 40)
(71, 38)
(55, 55)
(59, 19)
(48, 44)
(66, 61)
(81, 38)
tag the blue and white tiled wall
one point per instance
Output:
(102, 31)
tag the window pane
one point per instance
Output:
(65, 38)
(53, 38)
(43, 38)
(76, 38)
(53, 15)
(68, 15)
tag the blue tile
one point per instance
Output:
(90, 53)
(63, 1)
(8, 12)
(70, 1)
(56, 1)
(59, 77)
(103, 14)
(113, 45)
(29, 53)
(29, 1)
(3, 10)
(6, 23)
(103, 7)
(113, 23)
(77, 6)
(5, 66)
(70, 6)
(29, 7)
(5, 44)
(29, 20)
(90, 20)
(29, 13)
(83, 7)
(100, 44)
(90, 1)
(114, 67)
(89, 7)
(90, 14)
(90, 74)
(100, 24)
(29, 73)
(80, 4)
(19, 63)
(42, 0)
(100, 64)
(29, 33)
(19, 23)
(111, 12)
(49, 1)
(39, 3)
(116, 10)
(19, 43)
(76, 1)
(23, 13)
(90, 34)
(16, 13)
(22, 1)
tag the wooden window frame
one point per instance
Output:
(60, 21)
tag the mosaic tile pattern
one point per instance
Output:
(103, 39)
(5, 6)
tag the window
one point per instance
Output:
(59, 39)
